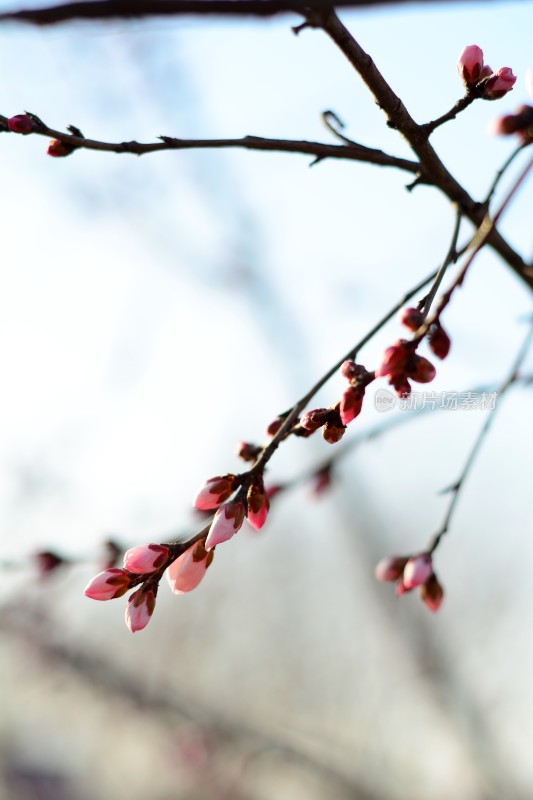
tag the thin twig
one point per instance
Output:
(455, 490)
(355, 152)
(451, 258)
(507, 163)
(399, 118)
(456, 109)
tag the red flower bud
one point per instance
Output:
(470, 64)
(351, 404)
(258, 505)
(432, 593)
(394, 360)
(439, 341)
(421, 370)
(248, 451)
(58, 149)
(20, 123)
(412, 318)
(499, 84)
(313, 420)
(333, 432)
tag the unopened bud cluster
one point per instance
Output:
(480, 80)
(411, 572)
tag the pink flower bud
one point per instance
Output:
(394, 361)
(227, 521)
(499, 84)
(521, 123)
(275, 425)
(314, 419)
(140, 608)
(412, 318)
(432, 593)
(439, 341)
(145, 558)
(391, 568)
(417, 571)
(421, 370)
(59, 149)
(186, 572)
(108, 584)
(401, 386)
(401, 588)
(215, 492)
(470, 64)
(351, 404)
(20, 123)
(258, 505)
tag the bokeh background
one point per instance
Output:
(154, 312)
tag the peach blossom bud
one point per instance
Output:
(417, 571)
(486, 72)
(499, 84)
(401, 588)
(470, 64)
(391, 568)
(58, 149)
(140, 608)
(412, 318)
(394, 360)
(47, 562)
(108, 584)
(227, 521)
(439, 341)
(186, 572)
(145, 558)
(432, 593)
(333, 432)
(20, 123)
(215, 492)
(258, 505)
(421, 370)
(248, 451)
(351, 404)
(314, 419)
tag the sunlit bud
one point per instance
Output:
(391, 568)
(421, 370)
(394, 360)
(186, 572)
(108, 584)
(321, 480)
(351, 404)
(352, 371)
(20, 123)
(417, 571)
(47, 562)
(412, 318)
(333, 432)
(470, 64)
(215, 492)
(314, 419)
(432, 593)
(227, 521)
(248, 451)
(499, 84)
(58, 149)
(140, 608)
(258, 505)
(145, 558)
(439, 341)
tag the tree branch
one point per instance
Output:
(399, 118)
